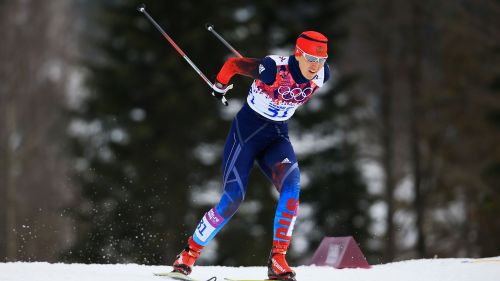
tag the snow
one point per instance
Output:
(487, 269)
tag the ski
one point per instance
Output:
(180, 276)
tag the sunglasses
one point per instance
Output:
(311, 58)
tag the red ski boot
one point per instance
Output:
(277, 267)
(185, 260)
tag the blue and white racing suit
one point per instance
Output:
(259, 132)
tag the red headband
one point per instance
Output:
(312, 43)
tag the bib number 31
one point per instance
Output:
(277, 111)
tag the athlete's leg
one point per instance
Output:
(236, 166)
(280, 165)
(237, 163)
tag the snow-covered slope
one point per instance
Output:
(412, 270)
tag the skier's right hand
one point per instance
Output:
(220, 90)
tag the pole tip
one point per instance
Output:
(141, 8)
(209, 26)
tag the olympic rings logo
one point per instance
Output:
(297, 94)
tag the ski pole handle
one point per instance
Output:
(210, 27)
(142, 9)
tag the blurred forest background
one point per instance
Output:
(110, 144)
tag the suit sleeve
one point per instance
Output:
(243, 66)
(262, 69)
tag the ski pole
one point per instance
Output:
(142, 9)
(210, 27)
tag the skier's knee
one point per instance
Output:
(232, 207)
(230, 203)
(285, 176)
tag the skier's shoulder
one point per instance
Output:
(268, 69)
(273, 61)
(278, 60)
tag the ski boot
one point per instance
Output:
(277, 267)
(185, 260)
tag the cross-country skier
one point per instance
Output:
(259, 132)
